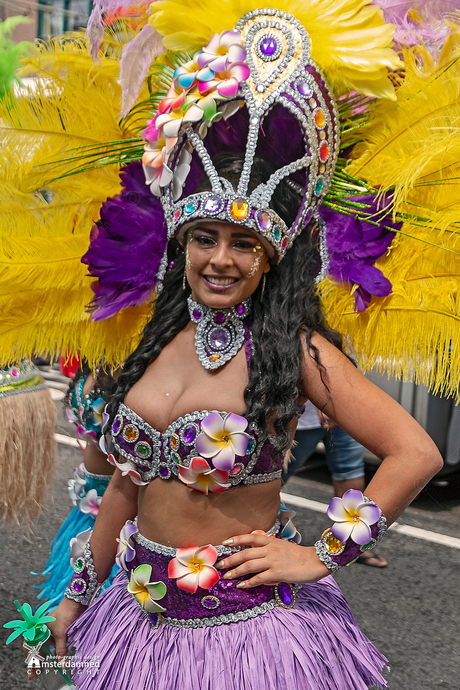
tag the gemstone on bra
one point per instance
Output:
(131, 433)
(117, 425)
(164, 471)
(189, 433)
(175, 442)
(143, 449)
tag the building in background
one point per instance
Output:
(48, 17)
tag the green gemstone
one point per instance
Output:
(368, 546)
(143, 450)
(319, 187)
(79, 566)
(176, 457)
(277, 233)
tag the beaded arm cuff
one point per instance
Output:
(335, 553)
(83, 586)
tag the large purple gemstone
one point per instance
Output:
(212, 204)
(79, 586)
(219, 318)
(268, 45)
(285, 594)
(240, 308)
(163, 471)
(196, 314)
(219, 338)
(189, 433)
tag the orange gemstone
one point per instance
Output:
(324, 152)
(239, 209)
(320, 119)
(214, 358)
(130, 434)
(333, 544)
(175, 441)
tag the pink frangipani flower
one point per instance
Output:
(200, 476)
(127, 468)
(90, 503)
(222, 439)
(222, 50)
(353, 517)
(126, 551)
(192, 567)
(226, 83)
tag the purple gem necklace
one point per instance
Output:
(220, 332)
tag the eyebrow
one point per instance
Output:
(215, 232)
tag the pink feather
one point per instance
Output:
(95, 27)
(137, 56)
(430, 25)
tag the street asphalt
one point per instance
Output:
(410, 609)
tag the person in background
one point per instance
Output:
(344, 457)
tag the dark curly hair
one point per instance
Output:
(287, 311)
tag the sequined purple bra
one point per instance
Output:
(152, 454)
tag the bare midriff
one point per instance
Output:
(169, 512)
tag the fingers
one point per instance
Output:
(254, 539)
(240, 557)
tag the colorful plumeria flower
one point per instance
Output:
(33, 628)
(289, 530)
(193, 567)
(227, 82)
(200, 476)
(126, 551)
(77, 545)
(146, 593)
(223, 49)
(188, 74)
(222, 439)
(127, 469)
(174, 99)
(71, 418)
(353, 517)
(90, 503)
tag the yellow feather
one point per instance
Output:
(349, 38)
(45, 226)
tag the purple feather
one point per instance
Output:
(127, 245)
(354, 245)
(422, 21)
(95, 26)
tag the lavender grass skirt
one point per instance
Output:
(223, 638)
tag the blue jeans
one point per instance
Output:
(344, 455)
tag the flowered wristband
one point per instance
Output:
(83, 586)
(359, 525)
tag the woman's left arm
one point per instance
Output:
(409, 460)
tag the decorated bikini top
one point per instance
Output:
(85, 411)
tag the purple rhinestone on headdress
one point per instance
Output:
(268, 45)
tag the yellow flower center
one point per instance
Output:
(196, 566)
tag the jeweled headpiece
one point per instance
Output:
(264, 62)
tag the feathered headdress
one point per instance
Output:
(388, 233)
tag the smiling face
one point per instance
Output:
(224, 263)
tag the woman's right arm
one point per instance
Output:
(118, 505)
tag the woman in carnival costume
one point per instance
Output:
(86, 399)
(244, 177)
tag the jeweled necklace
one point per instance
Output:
(220, 332)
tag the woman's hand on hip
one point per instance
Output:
(271, 561)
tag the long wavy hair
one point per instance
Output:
(285, 313)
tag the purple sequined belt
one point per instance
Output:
(218, 604)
